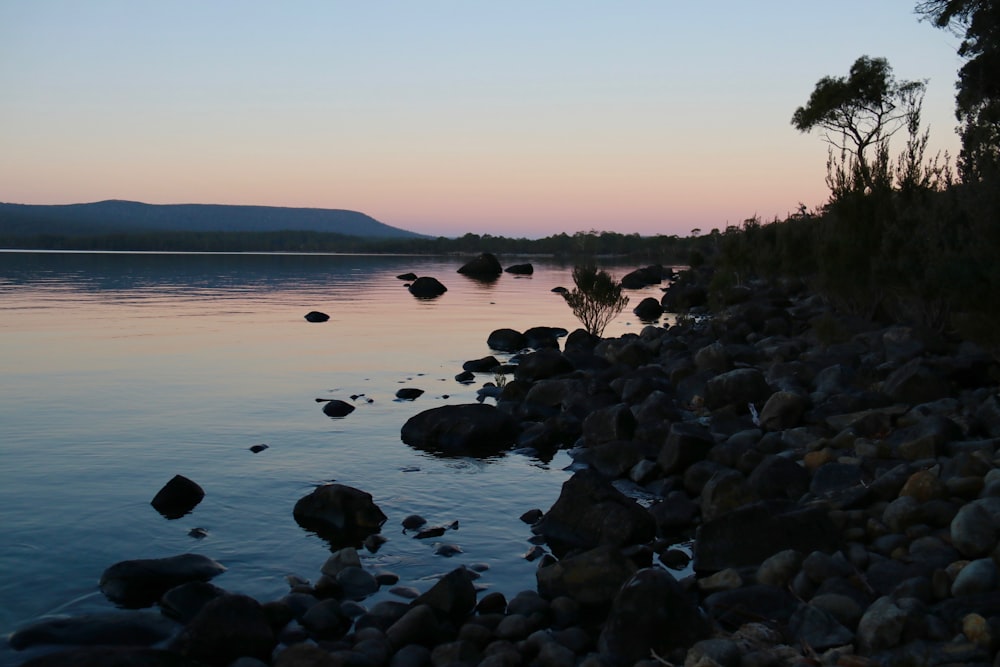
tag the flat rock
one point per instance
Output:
(140, 583)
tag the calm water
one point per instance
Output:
(122, 370)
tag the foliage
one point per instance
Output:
(597, 298)
(859, 112)
(977, 103)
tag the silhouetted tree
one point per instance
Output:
(597, 298)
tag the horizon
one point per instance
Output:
(445, 119)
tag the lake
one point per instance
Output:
(121, 370)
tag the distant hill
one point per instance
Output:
(117, 216)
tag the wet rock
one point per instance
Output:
(413, 522)
(227, 628)
(356, 583)
(426, 287)
(486, 265)
(177, 497)
(139, 583)
(520, 269)
(326, 620)
(407, 276)
(471, 429)
(113, 628)
(485, 365)
(336, 408)
(539, 337)
(506, 340)
(590, 512)
(257, 449)
(341, 514)
(648, 310)
(409, 393)
(185, 601)
(542, 364)
(316, 316)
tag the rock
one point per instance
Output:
(185, 601)
(778, 477)
(413, 522)
(486, 265)
(732, 608)
(111, 628)
(915, 382)
(336, 408)
(487, 364)
(648, 310)
(614, 459)
(520, 269)
(978, 576)
(725, 491)
(737, 388)
(539, 337)
(340, 514)
(591, 512)
(749, 535)
(687, 443)
(783, 410)
(615, 422)
(506, 340)
(419, 625)
(453, 597)
(779, 570)
(407, 276)
(647, 275)
(881, 627)
(177, 497)
(227, 628)
(112, 656)
(140, 583)
(592, 578)
(326, 620)
(409, 393)
(316, 316)
(257, 449)
(356, 583)
(426, 287)
(542, 364)
(818, 629)
(976, 528)
(472, 429)
(650, 613)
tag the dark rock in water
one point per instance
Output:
(749, 535)
(453, 597)
(680, 297)
(227, 628)
(648, 275)
(326, 620)
(407, 276)
(559, 290)
(592, 578)
(486, 265)
(337, 408)
(426, 287)
(112, 628)
(140, 583)
(465, 377)
(433, 531)
(485, 365)
(185, 601)
(470, 429)
(506, 340)
(316, 316)
(413, 521)
(591, 512)
(177, 497)
(257, 449)
(112, 656)
(520, 269)
(650, 613)
(649, 309)
(340, 514)
(539, 337)
(532, 516)
(409, 393)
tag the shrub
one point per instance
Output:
(597, 298)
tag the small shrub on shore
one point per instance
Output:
(597, 298)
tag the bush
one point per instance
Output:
(596, 300)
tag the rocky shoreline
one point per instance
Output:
(837, 477)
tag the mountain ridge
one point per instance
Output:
(113, 216)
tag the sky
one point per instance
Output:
(521, 118)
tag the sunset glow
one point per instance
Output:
(516, 119)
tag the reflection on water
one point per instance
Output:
(123, 370)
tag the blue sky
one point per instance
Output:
(515, 118)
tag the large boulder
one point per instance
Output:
(592, 577)
(340, 514)
(177, 497)
(738, 388)
(542, 364)
(650, 613)
(134, 628)
(647, 275)
(649, 309)
(471, 429)
(452, 598)
(426, 287)
(521, 269)
(141, 582)
(506, 340)
(591, 512)
(484, 266)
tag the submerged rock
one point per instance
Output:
(341, 514)
(471, 429)
(140, 583)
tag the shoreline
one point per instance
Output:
(886, 437)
